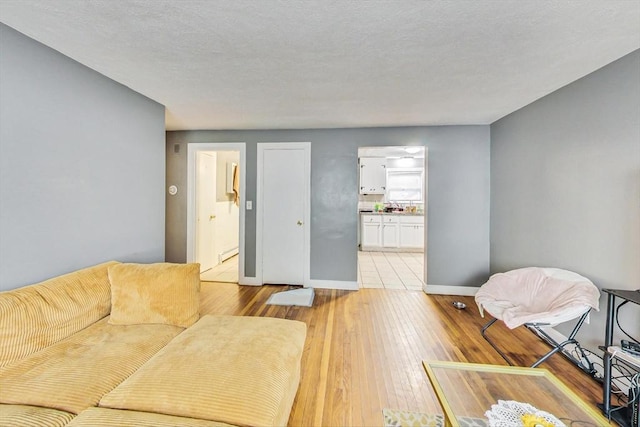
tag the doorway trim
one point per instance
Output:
(261, 147)
(192, 149)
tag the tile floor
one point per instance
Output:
(225, 272)
(391, 270)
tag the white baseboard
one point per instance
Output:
(223, 256)
(450, 290)
(318, 284)
(333, 284)
(249, 281)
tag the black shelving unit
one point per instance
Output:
(619, 416)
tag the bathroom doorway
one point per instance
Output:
(215, 217)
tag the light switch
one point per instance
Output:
(249, 205)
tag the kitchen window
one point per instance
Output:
(404, 185)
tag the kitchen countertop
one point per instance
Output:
(393, 213)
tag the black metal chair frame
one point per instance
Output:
(583, 363)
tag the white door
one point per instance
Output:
(205, 207)
(284, 178)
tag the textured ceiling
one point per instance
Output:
(266, 64)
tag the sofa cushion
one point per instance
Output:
(103, 417)
(33, 416)
(155, 293)
(75, 373)
(233, 369)
(36, 316)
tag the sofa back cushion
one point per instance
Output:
(37, 316)
(161, 293)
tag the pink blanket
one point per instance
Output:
(536, 295)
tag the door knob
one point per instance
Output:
(212, 217)
(299, 222)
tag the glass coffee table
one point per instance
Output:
(467, 390)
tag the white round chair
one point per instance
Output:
(540, 298)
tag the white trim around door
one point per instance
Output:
(192, 149)
(261, 147)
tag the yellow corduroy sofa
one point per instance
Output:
(69, 357)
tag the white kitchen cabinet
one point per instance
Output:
(411, 232)
(373, 175)
(390, 231)
(371, 233)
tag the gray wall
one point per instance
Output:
(458, 215)
(565, 184)
(81, 164)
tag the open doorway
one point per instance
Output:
(215, 224)
(392, 221)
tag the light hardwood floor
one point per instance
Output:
(364, 349)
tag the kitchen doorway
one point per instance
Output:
(392, 220)
(215, 211)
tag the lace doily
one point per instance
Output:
(509, 413)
